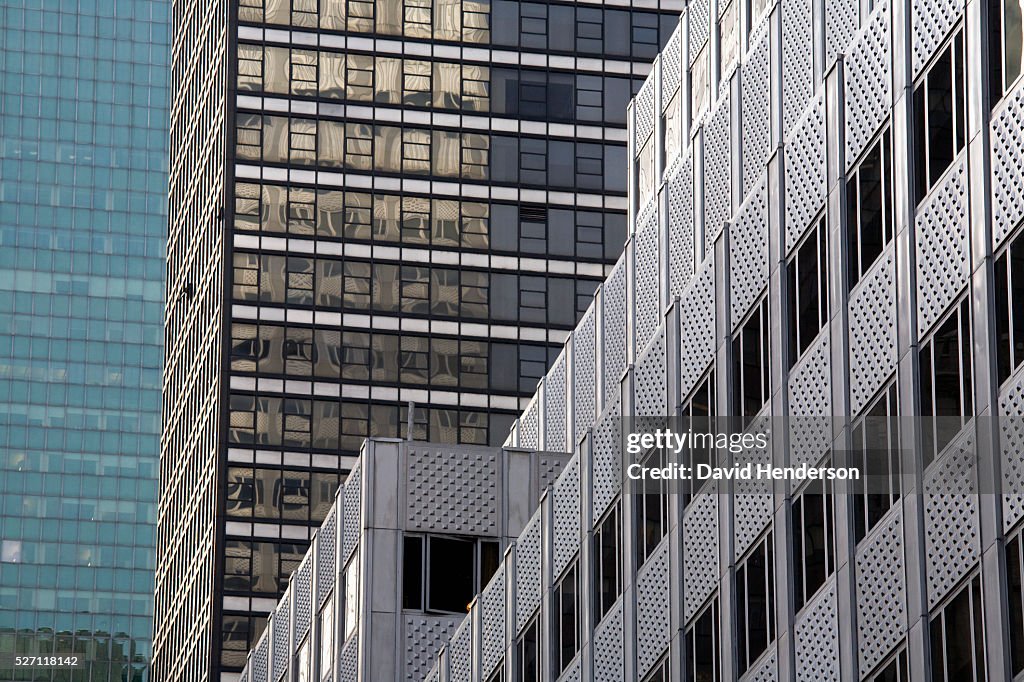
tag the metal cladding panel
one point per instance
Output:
(718, 169)
(644, 108)
(816, 637)
(679, 188)
(279, 629)
(352, 515)
(797, 61)
(528, 572)
(841, 17)
(1007, 154)
(549, 466)
(952, 533)
(868, 83)
(755, 110)
(452, 489)
(613, 356)
(651, 398)
(805, 172)
(608, 649)
(302, 587)
(652, 609)
(748, 253)
(554, 407)
(573, 672)
(326, 541)
(607, 463)
(259, 659)
(529, 426)
(810, 403)
(872, 309)
(1011, 405)
(697, 321)
(943, 246)
(348, 670)
(492, 622)
(460, 656)
(932, 22)
(698, 13)
(751, 504)
(584, 371)
(566, 510)
(765, 669)
(700, 560)
(881, 591)
(647, 276)
(424, 636)
(671, 66)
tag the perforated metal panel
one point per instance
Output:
(1007, 165)
(841, 18)
(643, 107)
(797, 60)
(646, 268)
(460, 659)
(932, 22)
(752, 500)
(279, 629)
(671, 66)
(608, 656)
(755, 110)
(528, 586)
(584, 387)
(697, 326)
(700, 558)
(302, 587)
(1011, 427)
(352, 515)
(951, 516)
(259, 660)
(424, 637)
(872, 309)
(816, 636)
(881, 605)
(572, 673)
(554, 407)
(717, 170)
(492, 622)
(679, 190)
(699, 29)
(766, 669)
(348, 669)
(244, 675)
(529, 426)
(549, 466)
(452, 490)
(607, 473)
(651, 399)
(652, 609)
(810, 403)
(748, 253)
(613, 356)
(942, 246)
(326, 540)
(566, 503)
(868, 83)
(434, 675)
(805, 172)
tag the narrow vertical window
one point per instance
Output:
(1014, 571)
(703, 647)
(755, 603)
(651, 508)
(1009, 299)
(528, 654)
(566, 618)
(807, 295)
(957, 642)
(940, 115)
(875, 449)
(946, 390)
(608, 563)
(1006, 52)
(751, 364)
(869, 197)
(813, 541)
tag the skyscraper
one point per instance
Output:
(375, 206)
(83, 182)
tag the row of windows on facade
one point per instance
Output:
(280, 494)
(411, 290)
(388, 358)
(559, 28)
(330, 425)
(501, 159)
(533, 94)
(382, 218)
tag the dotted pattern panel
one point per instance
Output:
(584, 385)
(873, 330)
(573, 672)
(280, 632)
(549, 466)
(614, 324)
(805, 172)
(244, 676)
(700, 558)
(718, 169)
(699, 28)
(433, 676)
(649, 380)
(868, 83)
(607, 473)
(1007, 165)
(697, 326)
(748, 253)
(797, 61)
(680, 224)
(325, 543)
(752, 501)
(671, 66)
(259, 661)
(528, 572)
(817, 638)
(881, 609)
(424, 637)
(566, 530)
(554, 407)
(529, 426)
(766, 669)
(643, 107)
(652, 619)
(608, 666)
(646, 279)
(841, 18)
(302, 584)
(810, 403)
(931, 24)
(451, 491)
(492, 621)
(942, 246)
(351, 516)
(755, 110)
(951, 511)
(460, 654)
(348, 670)
(1011, 427)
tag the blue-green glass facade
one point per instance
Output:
(83, 184)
